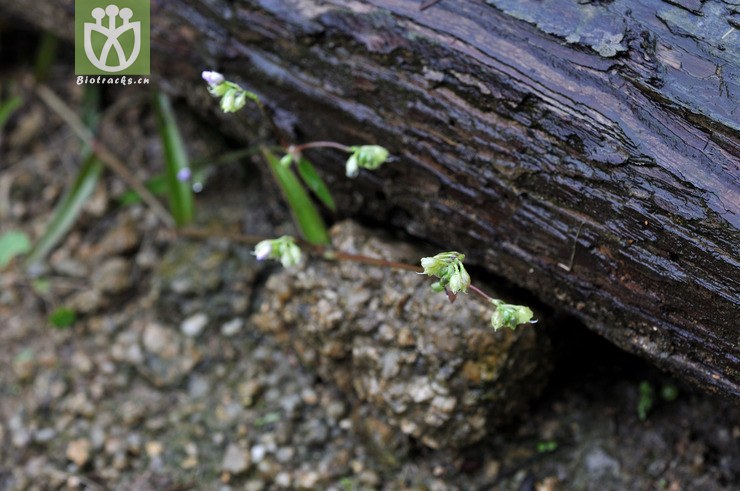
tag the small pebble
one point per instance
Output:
(232, 327)
(236, 459)
(113, 276)
(194, 325)
(283, 479)
(154, 448)
(45, 435)
(78, 451)
(254, 485)
(258, 453)
(309, 396)
(307, 479)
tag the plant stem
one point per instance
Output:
(322, 144)
(275, 128)
(333, 255)
(318, 250)
(203, 234)
(481, 294)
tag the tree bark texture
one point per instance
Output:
(526, 132)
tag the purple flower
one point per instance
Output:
(213, 78)
(183, 174)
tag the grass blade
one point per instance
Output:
(304, 212)
(68, 209)
(176, 158)
(314, 182)
(7, 109)
(45, 56)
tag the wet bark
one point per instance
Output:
(527, 133)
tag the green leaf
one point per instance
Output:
(63, 317)
(12, 244)
(7, 109)
(67, 209)
(176, 159)
(157, 185)
(314, 182)
(304, 212)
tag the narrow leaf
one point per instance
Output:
(314, 182)
(45, 56)
(7, 109)
(304, 212)
(67, 209)
(12, 244)
(176, 160)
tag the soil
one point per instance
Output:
(165, 383)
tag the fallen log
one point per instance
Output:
(588, 152)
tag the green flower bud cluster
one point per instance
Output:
(448, 267)
(366, 157)
(233, 97)
(510, 316)
(283, 249)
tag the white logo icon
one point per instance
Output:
(112, 33)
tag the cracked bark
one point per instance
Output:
(516, 123)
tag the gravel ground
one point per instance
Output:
(165, 382)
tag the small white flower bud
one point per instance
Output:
(352, 168)
(283, 249)
(263, 250)
(213, 78)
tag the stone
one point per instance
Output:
(254, 485)
(70, 267)
(309, 396)
(307, 479)
(194, 325)
(599, 463)
(283, 479)
(113, 276)
(121, 239)
(156, 338)
(78, 451)
(167, 358)
(82, 362)
(45, 435)
(258, 453)
(86, 301)
(232, 328)
(236, 460)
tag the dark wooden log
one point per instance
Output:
(516, 125)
